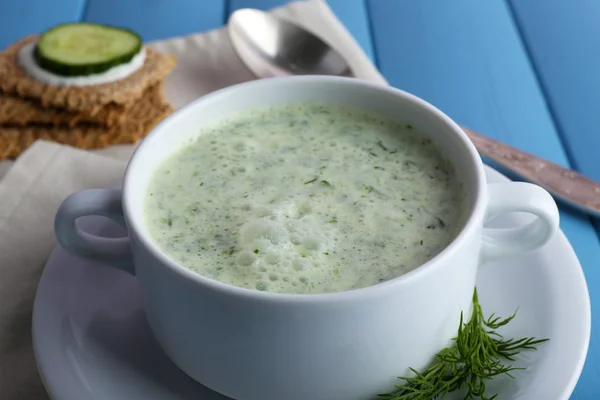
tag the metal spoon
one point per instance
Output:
(271, 46)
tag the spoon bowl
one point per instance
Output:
(272, 46)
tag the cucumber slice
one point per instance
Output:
(80, 49)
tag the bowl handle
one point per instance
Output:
(521, 197)
(115, 252)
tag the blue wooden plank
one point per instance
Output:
(563, 38)
(352, 13)
(566, 61)
(158, 19)
(21, 18)
(467, 58)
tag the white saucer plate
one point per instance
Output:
(92, 341)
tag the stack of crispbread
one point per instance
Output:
(86, 117)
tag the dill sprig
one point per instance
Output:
(476, 356)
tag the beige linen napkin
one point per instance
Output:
(33, 187)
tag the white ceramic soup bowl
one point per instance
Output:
(253, 345)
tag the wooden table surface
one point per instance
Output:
(526, 72)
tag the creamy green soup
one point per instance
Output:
(304, 198)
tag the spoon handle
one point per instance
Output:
(563, 183)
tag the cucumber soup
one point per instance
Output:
(304, 198)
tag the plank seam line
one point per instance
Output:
(84, 10)
(226, 11)
(368, 14)
(540, 84)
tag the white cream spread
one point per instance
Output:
(304, 198)
(29, 64)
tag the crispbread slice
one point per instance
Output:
(17, 111)
(141, 118)
(15, 81)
